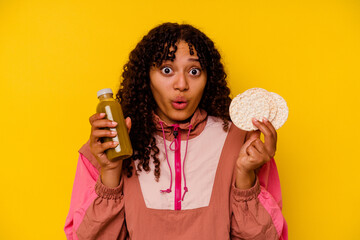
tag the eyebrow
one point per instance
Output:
(194, 59)
(189, 59)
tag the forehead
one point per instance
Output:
(183, 46)
(177, 49)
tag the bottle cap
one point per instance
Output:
(104, 91)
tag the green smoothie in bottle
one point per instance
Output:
(113, 111)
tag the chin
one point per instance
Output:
(183, 117)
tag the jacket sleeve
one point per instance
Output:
(256, 212)
(96, 211)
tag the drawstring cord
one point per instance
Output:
(176, 129)
(167, 159)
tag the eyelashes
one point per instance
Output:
(195, 71)
(166, 70)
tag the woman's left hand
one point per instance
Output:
(254, 153)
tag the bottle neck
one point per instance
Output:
(106, 96)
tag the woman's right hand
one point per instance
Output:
(110, 171)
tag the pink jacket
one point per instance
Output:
(195, 197)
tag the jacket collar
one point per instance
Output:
(197, 124)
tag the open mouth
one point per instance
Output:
(179, 104)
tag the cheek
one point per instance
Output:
(159, 94)
(155, 94)
(201, 89)
(154, 85)
(158, 85)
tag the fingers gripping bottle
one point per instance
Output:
(113, 111)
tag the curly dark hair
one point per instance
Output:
(136, 97)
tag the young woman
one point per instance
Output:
(193, 174)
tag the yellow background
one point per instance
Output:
(55, 55)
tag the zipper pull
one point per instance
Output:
(175, 133)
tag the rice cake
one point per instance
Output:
(282, 111)
(258, 103)
(250, 104)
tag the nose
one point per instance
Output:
(181, 82)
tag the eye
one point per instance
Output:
(166, 70)
(195, 71)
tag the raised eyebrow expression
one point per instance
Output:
(194, 59)
(189, 60)
(167, 64)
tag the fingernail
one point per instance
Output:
(265, 119)
(116, 143)
(255, 120)
(114, 123)
(102, 114)
(113, 133)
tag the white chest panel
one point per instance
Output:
(201, 163)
